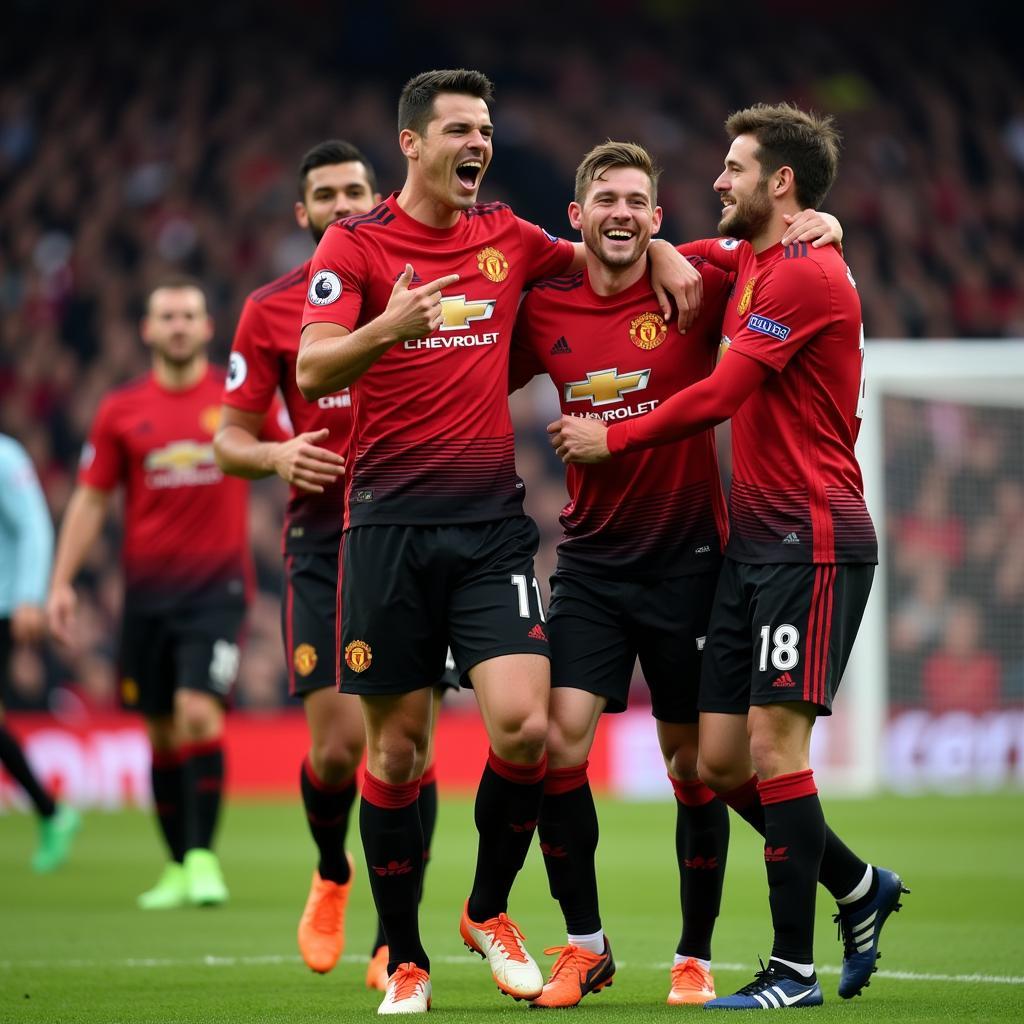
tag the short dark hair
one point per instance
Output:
(791, 137)
(416, 104)
(176, 282)
(615, 154)
(334, 151)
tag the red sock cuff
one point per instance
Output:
(187, 750)
(742, 797)
(521, 774)
(391, 796)
(692, 792)
(564, 780)
(166, 759)
(430, 775)
(325, 787)
(793, 786)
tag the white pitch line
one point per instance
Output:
(357, 958)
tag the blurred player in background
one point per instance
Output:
(188, 576)
(802, 547)
(335, 181)
(437, 549)
(26, 551)
(638, 563)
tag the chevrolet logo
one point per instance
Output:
(603, 387)
(457, 313)
(179, 455)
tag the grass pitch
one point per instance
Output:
(73, 948)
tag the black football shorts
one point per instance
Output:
(191, 648)
(410, 592)
(781, 632)
(599, 627)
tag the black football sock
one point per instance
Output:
(167, 776)
(702, 843)
(507, 808)
(794, 844)
(427, 804)
(568, 833)
(389, 822)
(841, 869)
(12, 757)
(327, 812)
(203, 770)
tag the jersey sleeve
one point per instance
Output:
(545, 255)
(790, 306)
(253, 370)
(104, 461)
(719, 252)
(337, 276)
(524, 363)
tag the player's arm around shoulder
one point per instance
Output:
(331, 357)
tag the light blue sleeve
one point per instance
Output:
(26, 521)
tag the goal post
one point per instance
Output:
(932, 697)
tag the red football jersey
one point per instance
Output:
(432, 437)
(797, 491)
(650, 514)
(186, 532)
(263, 358)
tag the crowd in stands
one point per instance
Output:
(141, 139)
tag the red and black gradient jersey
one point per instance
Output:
(651, 514)
(797, 491)
(186, 536)
(263, 358)
(432, 437)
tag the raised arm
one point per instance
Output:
(331, 357)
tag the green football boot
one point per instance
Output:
(170, 891)
(56, 834)
(204, 879)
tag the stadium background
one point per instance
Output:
(141, 138)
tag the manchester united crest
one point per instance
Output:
(209, 419)
(743, 306)
(492, 264)
(129, 691)
(647, 331)
(304, 659)
(358, 656)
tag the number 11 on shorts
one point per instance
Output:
(519, 582)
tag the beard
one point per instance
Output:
(748, 218)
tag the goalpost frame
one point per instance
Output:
(984, 372)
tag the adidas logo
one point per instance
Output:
(553, 851)
(776, 854)
(701, 863)
(791, 538)
(784, 681)
(394, 867)
(560, 347)
(527, 826)
(537, 633)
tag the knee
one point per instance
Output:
(523, 741)
(719, 775)
(566, 747)
(680, 754)
(334, 760)
(398, 759)
(198, 717)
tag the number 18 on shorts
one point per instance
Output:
(781, 633)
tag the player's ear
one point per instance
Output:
(576, 215)
(783, 182)
(656, 220)
(302, 215)
(409, 143)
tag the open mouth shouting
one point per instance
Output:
(468, 172)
